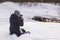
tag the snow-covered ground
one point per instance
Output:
(39, 30)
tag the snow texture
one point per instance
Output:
(39, 30)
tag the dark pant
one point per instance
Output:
(23, 30)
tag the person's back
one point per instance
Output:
(14, 24)
(14, 20)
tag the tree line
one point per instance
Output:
(48, 1)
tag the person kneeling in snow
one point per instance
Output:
(15, 22)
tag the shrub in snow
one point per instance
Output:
(43, 19)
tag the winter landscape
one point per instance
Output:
(39, 30)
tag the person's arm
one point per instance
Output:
(20, 21)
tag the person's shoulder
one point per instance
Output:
(13, 15)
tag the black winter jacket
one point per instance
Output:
(15, 23)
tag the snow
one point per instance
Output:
(39, 30)
(42, 9)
